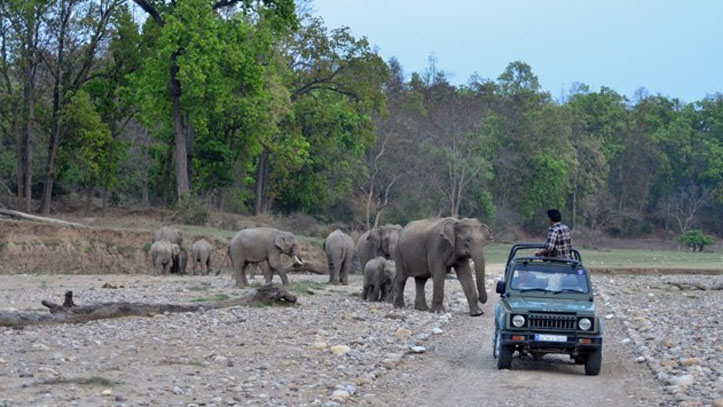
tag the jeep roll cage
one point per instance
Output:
(573, 262)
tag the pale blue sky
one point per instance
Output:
(670, 47)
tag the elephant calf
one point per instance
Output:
(201, 255)
(164, 255)
(378, 277)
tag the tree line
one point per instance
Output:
(256, 106)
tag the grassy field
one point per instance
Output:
(629, 259)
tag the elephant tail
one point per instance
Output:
(225, 259)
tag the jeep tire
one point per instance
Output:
(593, 362)
(504, 353)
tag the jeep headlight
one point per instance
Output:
(584, 324)
(518, 321)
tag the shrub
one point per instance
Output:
(191, 212)
(696, 239)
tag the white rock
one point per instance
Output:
(340, 350)
(609, 316)
(340, 395)
(684, 380)
(418, 349)
(177, 390)
(625, 341)
(640, 359)
(437, 331)
(2, 361)
(319, 345)
(106, 392)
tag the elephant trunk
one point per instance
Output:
(479, 268)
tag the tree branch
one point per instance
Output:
(148, 8)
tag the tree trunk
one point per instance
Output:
(574, 203)
(262, 173)
(89, 195)
(20, 159)
(179, 134)
(167, 176)
(28, 139)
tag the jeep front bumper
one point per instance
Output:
(552, 342)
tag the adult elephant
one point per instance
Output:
(428, 248)
(168, 233)
(201, 255)
(255, 245)
(379, 241)
(163, 256)
(339, 249)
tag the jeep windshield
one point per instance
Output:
(546, 279)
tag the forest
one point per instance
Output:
(258, 107)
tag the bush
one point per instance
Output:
(190, 211)
(696, 239)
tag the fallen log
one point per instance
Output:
(74, 314)
(308, 267)
(24, 216)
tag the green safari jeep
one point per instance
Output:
(546, 306)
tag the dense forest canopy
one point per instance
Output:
(257, 106)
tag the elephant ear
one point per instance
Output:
(447, 232)
(283, 242)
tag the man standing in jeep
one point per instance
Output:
(558, 243)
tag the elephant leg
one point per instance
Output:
(365, 291)
(400, 280)
(207, 265)
(345, 269)
(239, 268)
(420, 301)
(276, 267)
(167, 267)
(376, 292)
(438, 278)
(464, 275)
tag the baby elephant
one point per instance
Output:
(201, 254)
(378, 276)
(164, 255)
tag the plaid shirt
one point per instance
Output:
(558, 241)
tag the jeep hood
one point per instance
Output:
(550, 304)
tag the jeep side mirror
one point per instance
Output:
(500, 287)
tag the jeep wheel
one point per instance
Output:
(593, 363)
(504, 353)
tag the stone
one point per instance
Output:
(221, 360)
(107, 392)
(717, 403)
(690, 403)
(688, 362)
(177, 390)
(3, 361)
(668, 343)
(48, 370)
(609, 316)
(340, 396)
(403, 333)
(418, 349)
(437, 331)
(625, 341)
(330, 404)
(640, 359)
(319, 345)
(684, 380)
(340, 350)
(392, 360)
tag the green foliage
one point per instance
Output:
(190, 211)
(696, 240)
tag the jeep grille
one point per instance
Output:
(541, 321)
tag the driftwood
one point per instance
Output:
(696, 286)
(24, 216)
(60, 314)
(308, 267)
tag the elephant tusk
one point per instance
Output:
(298, 260)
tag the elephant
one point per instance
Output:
(379, 241)
(180, 261)
(163, 254)
(378, 280)
(428, 248)
(173, 235)
(201, 251)
(255, 245)
(339, 249)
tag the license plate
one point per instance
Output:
(550, 338)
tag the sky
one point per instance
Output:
(674, 48)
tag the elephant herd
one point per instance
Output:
(389, 255)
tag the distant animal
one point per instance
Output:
(378, 280)
(180, 262)
(379, 241)
(201, 251)
(256, 245)
(339, 249)
(163, 255)
(171, 234)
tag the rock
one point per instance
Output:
(319, 345)
(690, 403)
(177, 390)
(221, 360)
(717, 403)
(3, 361)
(48, 370)
(640, 359)
(330, 404)
(437, 331)
(719, 384)
(392, 360)
(684, 380)
(403, 333)
(669, 343)
(340, 350)
(106, 392)
(625, 341)
(40, 346)
(340, 396)
(688, 362)
(418, 349)
(609, 316)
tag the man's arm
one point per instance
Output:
(551, 236)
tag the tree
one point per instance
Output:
(696, 239)
(189, 44)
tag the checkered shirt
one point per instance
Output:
(558, 241)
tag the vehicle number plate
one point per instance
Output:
(550, 338)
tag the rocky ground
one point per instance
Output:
(333, 349)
